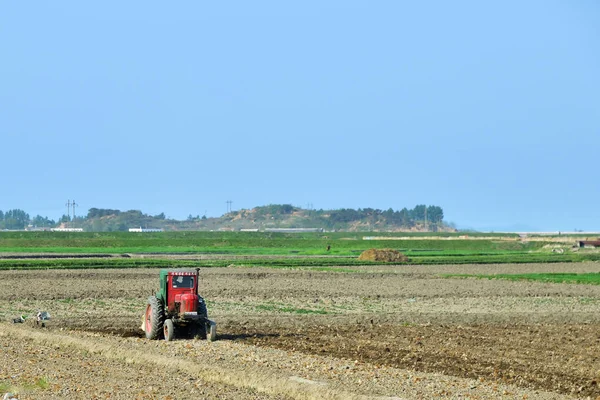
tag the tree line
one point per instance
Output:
(272, 215)
(19, 219)
(429, 217)
(404, 217)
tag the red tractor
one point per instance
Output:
(178, 308)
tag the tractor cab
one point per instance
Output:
(177, 306)
(179, 291)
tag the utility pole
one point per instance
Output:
(309, 207)
(74, 205)
(426, 227)
(68, 211)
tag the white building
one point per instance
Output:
(293, 230)
(140, 229)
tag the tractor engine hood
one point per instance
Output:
(188, 302)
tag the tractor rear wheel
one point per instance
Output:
(198, 330)
(211, 331)
(168, 330)
(202, 311)
(154, 318)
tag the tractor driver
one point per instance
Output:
(183, 282)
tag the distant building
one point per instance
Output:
(249, 230)
(293, 230)
(140, 229)
(37, 229)
(67, 229)
(589, 243)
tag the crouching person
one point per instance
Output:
(41, 318)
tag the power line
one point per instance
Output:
(70, 204)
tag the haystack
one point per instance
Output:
(384, 255)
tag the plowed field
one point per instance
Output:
(379, 332)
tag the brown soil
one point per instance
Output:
(548, 357)
(386, 331)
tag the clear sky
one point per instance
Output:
(490, 110)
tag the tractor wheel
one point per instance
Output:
(168, 330)
(211, 331)
(202, 311)
(154, 318)
(199, 329)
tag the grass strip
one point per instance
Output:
(508, 258)
(317, 264)
(592, 278)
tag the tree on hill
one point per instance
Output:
(42, 222)
(346, 215)
(435, 214)
(101, 212)
(274, 209)
(418, 213)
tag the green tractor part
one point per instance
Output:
(177, 309)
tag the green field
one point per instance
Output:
(271, 249)
(242, 243)
(589, 278)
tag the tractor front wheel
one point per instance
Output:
(168, 330)
(154, 318)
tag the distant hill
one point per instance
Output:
(420, 218)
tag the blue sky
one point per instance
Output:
(490, 110)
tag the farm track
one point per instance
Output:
(162, 255)
(384, 332)
(79, 366)
(52, 256)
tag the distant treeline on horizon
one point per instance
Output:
(269, 216)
